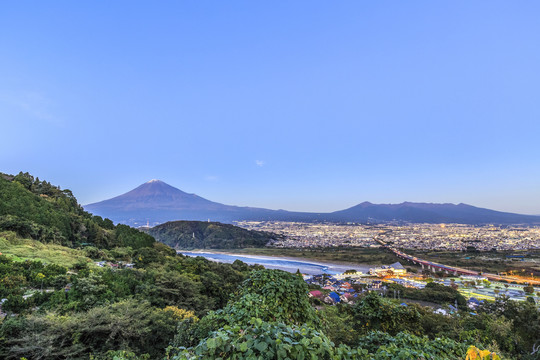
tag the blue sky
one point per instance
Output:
(304, 105)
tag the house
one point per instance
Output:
(441, 311)
(348, 297)
(349, 275)
(398, 269)
(334, 297)
(388, 270)
(473, 303)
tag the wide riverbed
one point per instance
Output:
(282, 263)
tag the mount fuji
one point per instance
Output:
(156, 202)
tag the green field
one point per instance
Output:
(25, 249)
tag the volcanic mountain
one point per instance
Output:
(156, 202)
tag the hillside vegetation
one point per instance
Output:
(19, 249)
(208, 235)
(144, 301)
(38, 210)
(57, 303)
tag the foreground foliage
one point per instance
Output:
(97, 310)
(265, 322)
(163, 304)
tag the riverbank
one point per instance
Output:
(290, 264)
(342, 256)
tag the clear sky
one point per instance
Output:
(300, 105)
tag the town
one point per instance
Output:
(447, 237)
(400, 239)
(345, 287)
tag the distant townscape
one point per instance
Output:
(455, 237)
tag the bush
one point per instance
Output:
(261, 340)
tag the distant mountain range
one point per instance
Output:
(156, 202)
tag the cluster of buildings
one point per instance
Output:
(347, 286)
(341, 290)
(299, 234)
(445, 237)
(458, 237)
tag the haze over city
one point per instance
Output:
(305, 106)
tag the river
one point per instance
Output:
(282, 263)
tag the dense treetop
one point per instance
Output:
(38, 210)
(208, 235)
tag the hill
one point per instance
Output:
(156, 202)
(208, 235)
(66, 274)
(40, 211)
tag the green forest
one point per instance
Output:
(76, 286)
(208, 235)
(38, 210)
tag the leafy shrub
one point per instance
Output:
(262, 340)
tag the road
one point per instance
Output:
(452, 269)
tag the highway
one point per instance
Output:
(433, 266)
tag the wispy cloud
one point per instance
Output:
(211, 178)
(33, 105)
(259, 163)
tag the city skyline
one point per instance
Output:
(305, 107)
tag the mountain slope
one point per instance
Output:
(207, 235)
(38, 210)
(157, 194)
(157, 202)
(430, 213)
